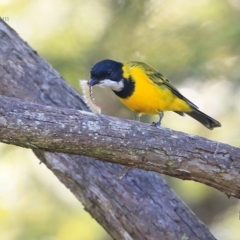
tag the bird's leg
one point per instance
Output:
(137, 117)
(158, 123)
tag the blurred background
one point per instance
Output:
(194, 43)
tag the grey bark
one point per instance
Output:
(121, 141)
(141, 205)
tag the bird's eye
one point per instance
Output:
(109, 73)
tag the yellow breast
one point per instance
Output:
(149, 98)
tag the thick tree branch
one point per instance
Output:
(121, 141)
(141, 205)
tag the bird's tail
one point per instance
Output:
(204, 119)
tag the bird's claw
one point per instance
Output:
(156, 124)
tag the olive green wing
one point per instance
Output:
(158, 79)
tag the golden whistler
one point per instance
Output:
(145, 91)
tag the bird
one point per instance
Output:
(145, 90)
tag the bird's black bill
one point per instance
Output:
(93, 82)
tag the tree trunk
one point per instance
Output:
(141, 205)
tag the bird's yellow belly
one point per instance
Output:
(148, 98)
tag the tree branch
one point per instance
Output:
(121, 141)
(141, 205)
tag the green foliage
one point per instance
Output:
(193, 43)
(37, 207)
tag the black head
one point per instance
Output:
(106, 70)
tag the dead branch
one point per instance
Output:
(141, 205)
(121, 141)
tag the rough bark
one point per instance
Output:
(141, 205)
(121, 141)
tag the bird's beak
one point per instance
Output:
(93, 82)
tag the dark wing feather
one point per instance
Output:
(159, 80)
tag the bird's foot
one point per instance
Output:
(156, 124)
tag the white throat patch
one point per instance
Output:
(116, 86)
